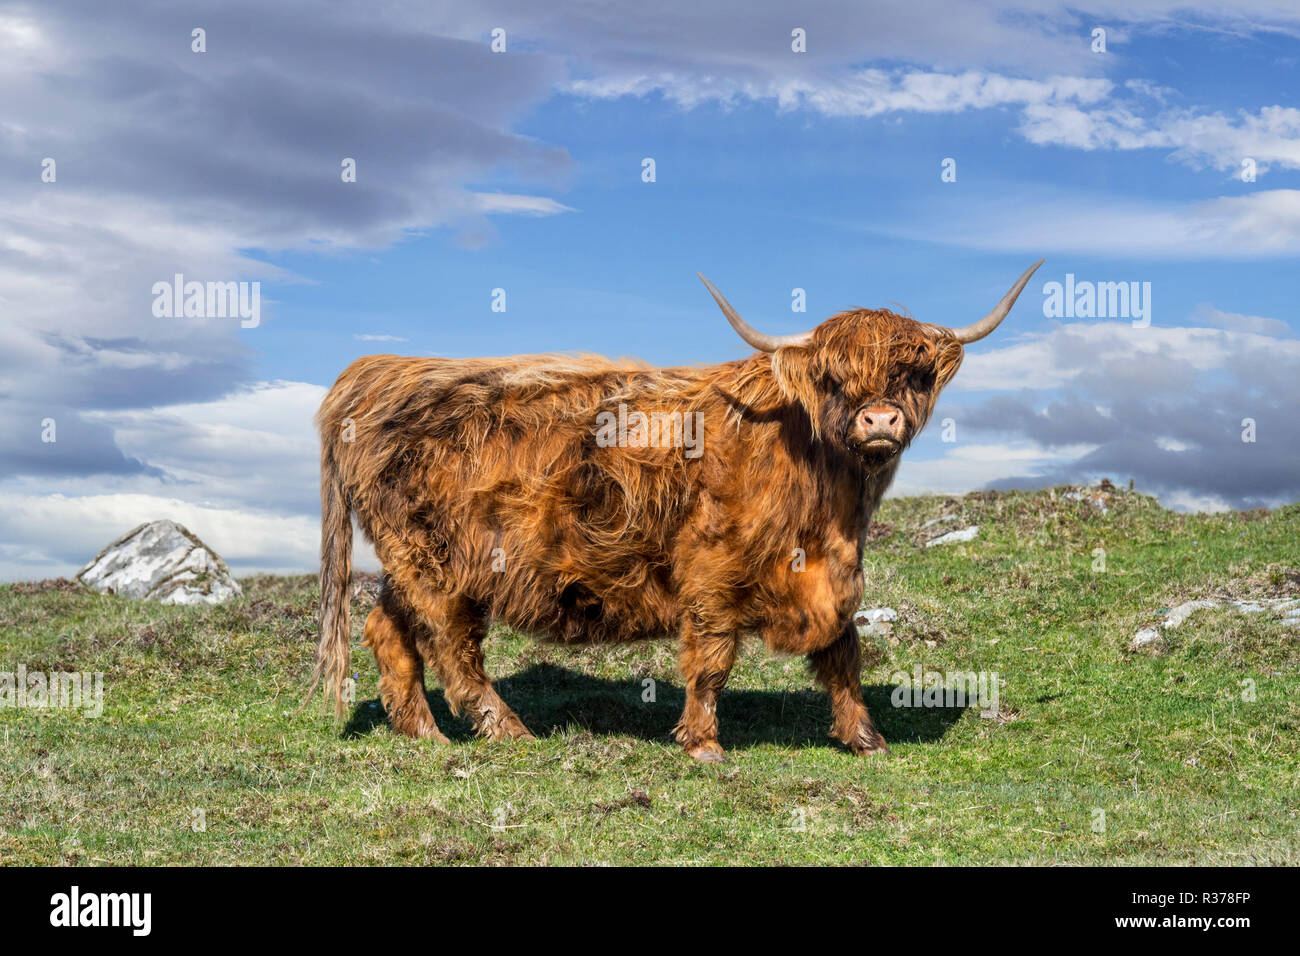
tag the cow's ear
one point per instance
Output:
(947, 363)
(797, 373)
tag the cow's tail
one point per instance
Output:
(334, 651)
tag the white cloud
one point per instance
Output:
(1033, 363)
(1054, 358)
(680, 47)
(509, 203)
(256, 445)
(1207, 314)
(862, 93)
(1263, 224)
(1075, 109)
(1270, 136)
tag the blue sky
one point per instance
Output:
(522, 170)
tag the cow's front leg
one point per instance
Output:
(706, 661)
(838, 667)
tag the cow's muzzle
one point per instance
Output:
(879, 431)
(881, 423)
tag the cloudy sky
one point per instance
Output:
(522, 170)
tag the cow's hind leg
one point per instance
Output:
(401, 674)
(706, 662)
(453, 646)
(839, 668)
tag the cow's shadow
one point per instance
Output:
(549, 699)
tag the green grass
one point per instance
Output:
(200, 715)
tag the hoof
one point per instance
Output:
(867, 742)
(868, 746)
(863, 751)
(431, 732)
(507, 728)
(708, 753)
(425, 730)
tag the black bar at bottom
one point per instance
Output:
(347, 907)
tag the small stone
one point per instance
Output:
(874, 621)
(874, 615)
(1147, 637)
(952, 537)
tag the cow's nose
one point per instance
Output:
(881, 422)
(880, 416)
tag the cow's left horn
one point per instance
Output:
(973, 333)
(760, 340)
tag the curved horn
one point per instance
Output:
(760, 340)
(973, 333)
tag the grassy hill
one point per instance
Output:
(1182, 752)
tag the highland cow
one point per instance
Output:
(487, 496)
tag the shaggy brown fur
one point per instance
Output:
(482, 486)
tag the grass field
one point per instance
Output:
(201, 758)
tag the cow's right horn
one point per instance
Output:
(977, 330)
(760, 340)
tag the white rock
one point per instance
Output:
(161, 561)
(874, 615)
(1266, 604)
(1145, 637)
(1288, 608)
(1181, 613)
(1258, 606)
(874, 621)
(965, 534)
